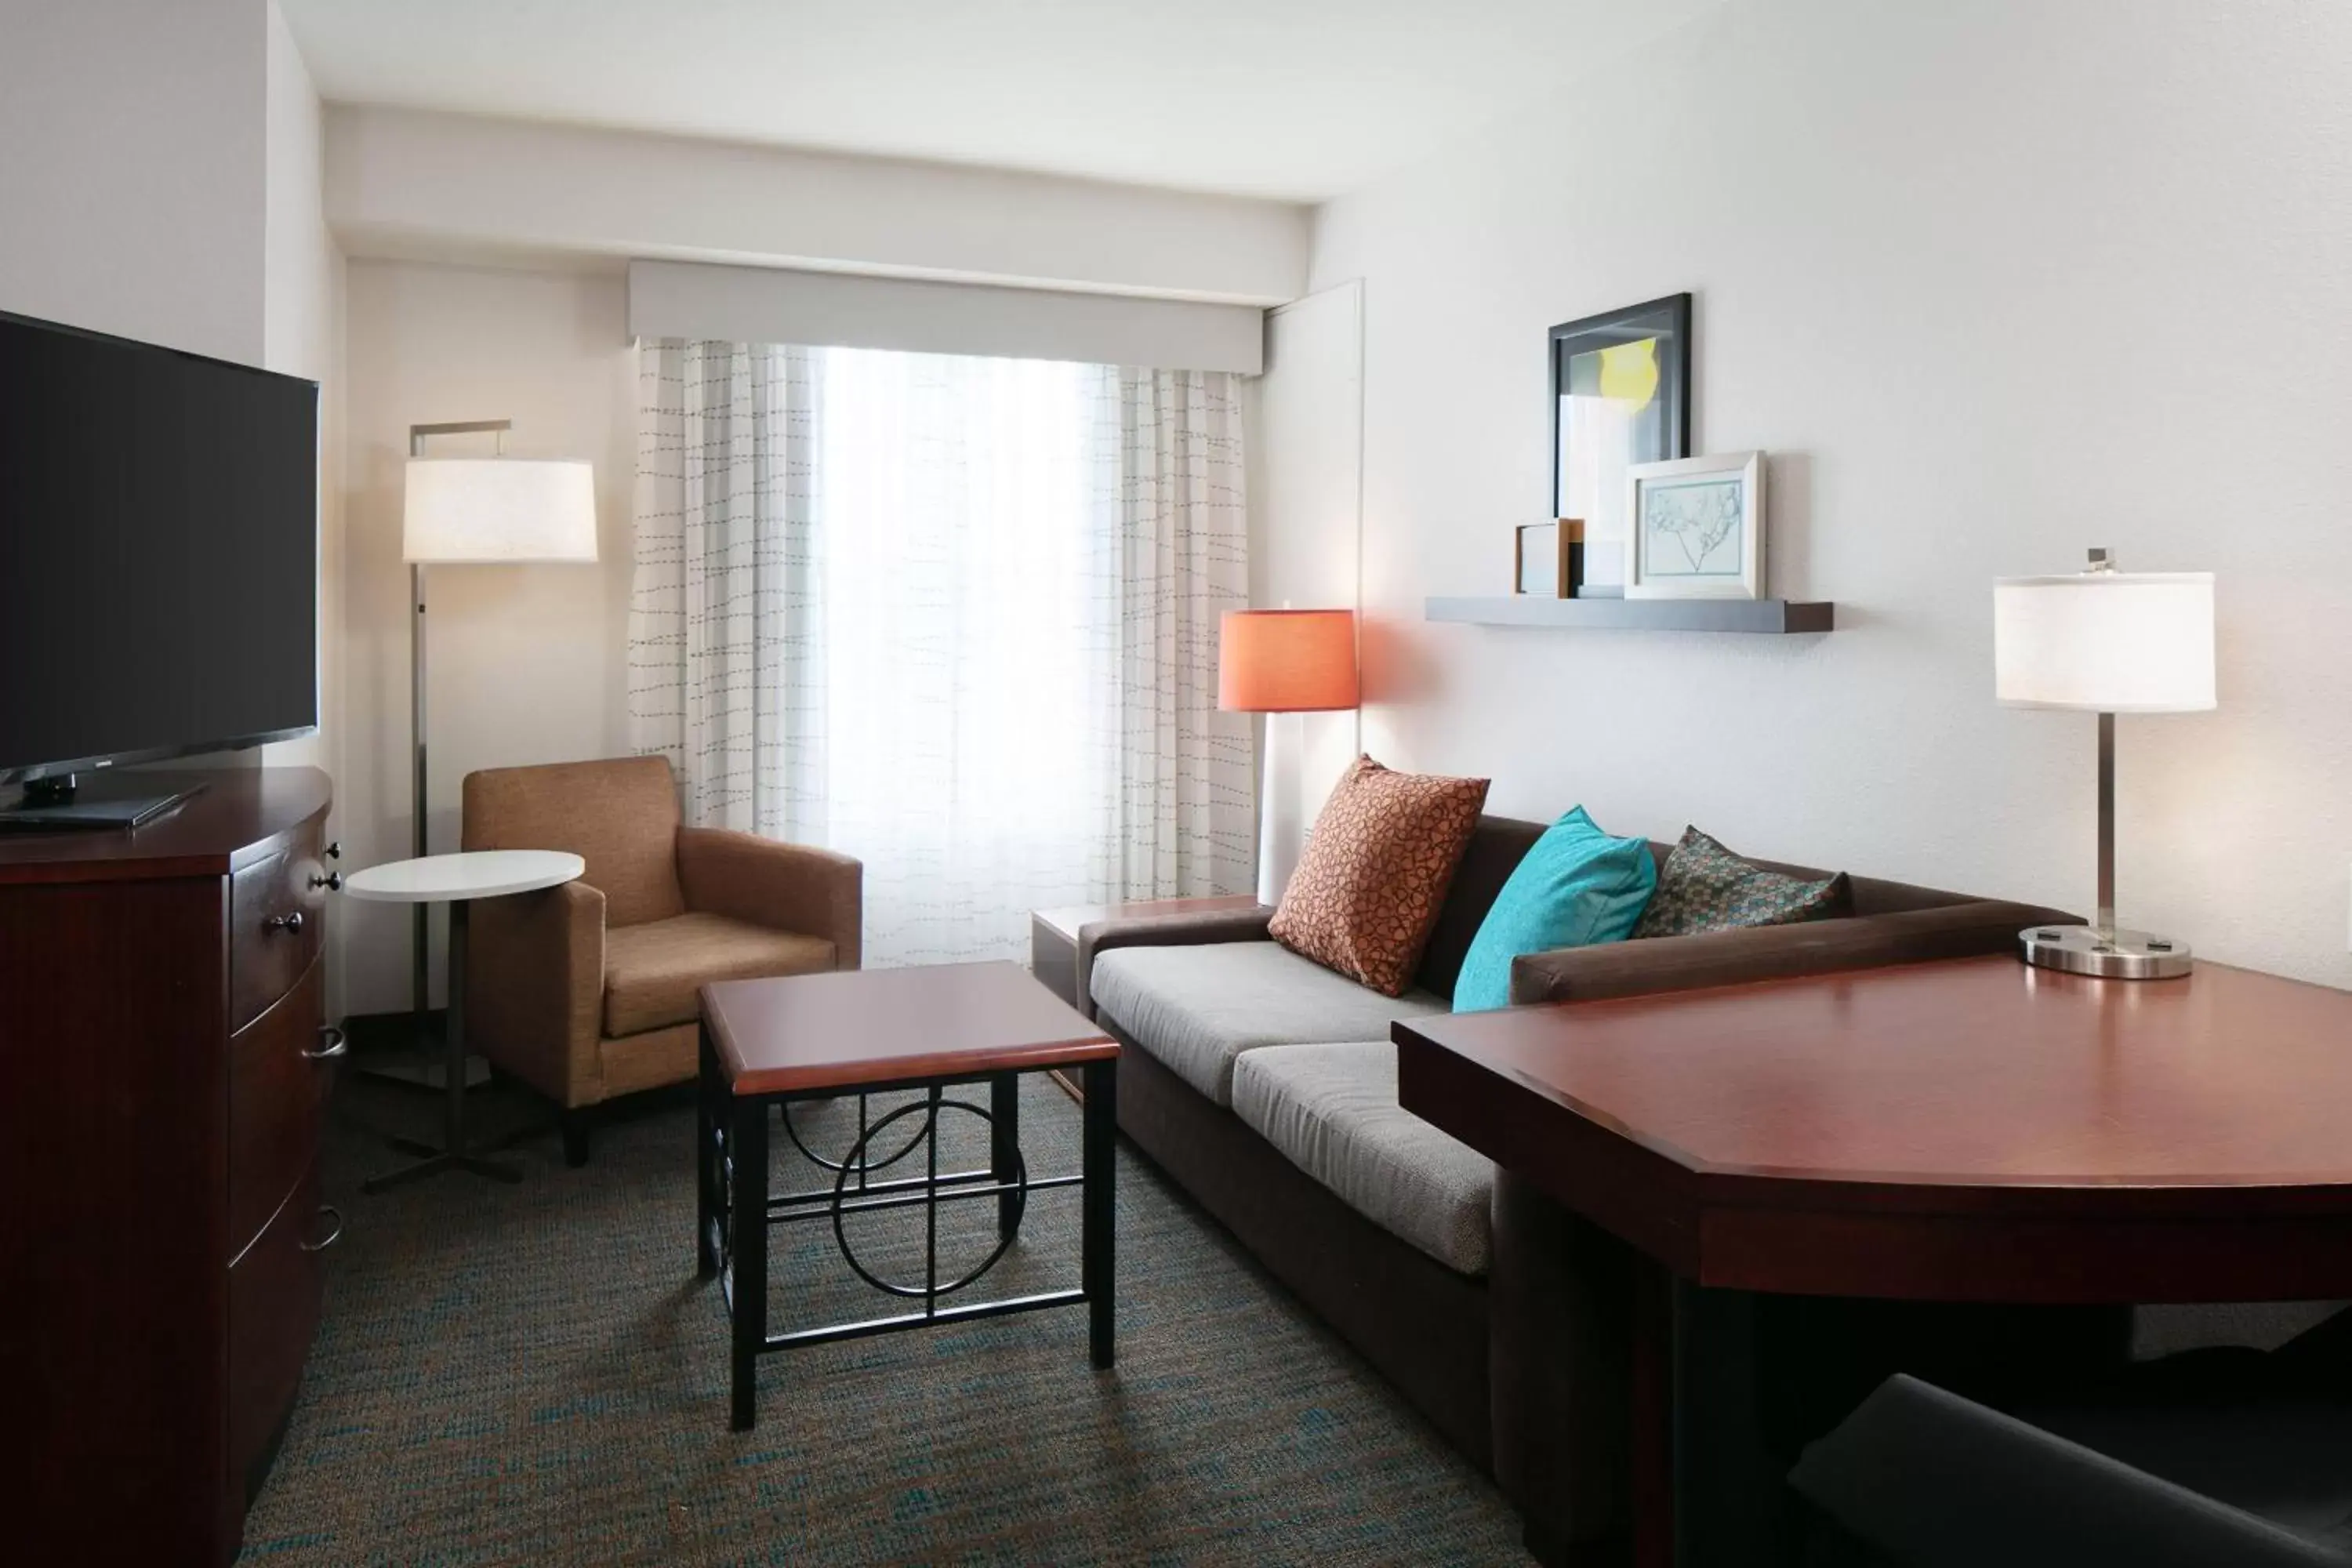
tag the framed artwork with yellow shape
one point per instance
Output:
(1619, 395)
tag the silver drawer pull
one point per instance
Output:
(332, 881)
(332, 1236)
(332, 1044)
(293, 920)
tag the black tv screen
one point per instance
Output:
(158, 552)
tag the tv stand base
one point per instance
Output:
(56, 805)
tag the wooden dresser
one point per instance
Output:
(162, 1051)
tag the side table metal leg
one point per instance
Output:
(747, 1223)
(1098, 1241)
(454, 1154)
(1005, 1147)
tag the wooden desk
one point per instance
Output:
(1967, 1131)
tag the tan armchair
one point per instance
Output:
(587, 991)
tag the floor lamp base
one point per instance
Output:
(2114, 956)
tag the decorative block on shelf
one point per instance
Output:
(1778, 617)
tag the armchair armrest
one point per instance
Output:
(1182, 929)
(784, 887)
(1774, 953)
(535, 988)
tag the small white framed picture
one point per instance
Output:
(1696, 527)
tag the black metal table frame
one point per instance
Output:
(733, 1175)
(455, 1151)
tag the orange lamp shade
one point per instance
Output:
(1287, 661)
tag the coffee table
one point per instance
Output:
(768, 1043)
(457, 880)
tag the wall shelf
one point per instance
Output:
(1776, 617)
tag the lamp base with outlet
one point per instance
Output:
(2108, 955)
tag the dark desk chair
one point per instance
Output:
(2207, 1458)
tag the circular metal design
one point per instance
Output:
(848, 1164)
(1020, 1196)
(2114, 956)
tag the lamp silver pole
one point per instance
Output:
(419, 934)
(2106, 924)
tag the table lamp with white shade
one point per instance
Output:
(480, 512)
(2105, 642)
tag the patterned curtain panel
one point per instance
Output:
(955, 616)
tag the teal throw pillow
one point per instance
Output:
(1577, 888)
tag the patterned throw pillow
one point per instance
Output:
(1375, 870)
(1706, 886)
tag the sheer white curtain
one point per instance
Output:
(955, 616)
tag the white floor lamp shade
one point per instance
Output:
(497, 510)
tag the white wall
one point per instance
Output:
(405, 181)
(527, 663)
(131, 169)
(303, 334)
(1306, 455)
(1994, 283)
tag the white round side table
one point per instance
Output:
(457, 880)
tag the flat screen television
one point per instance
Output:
(158, 555)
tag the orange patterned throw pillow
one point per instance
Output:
(1375, 870)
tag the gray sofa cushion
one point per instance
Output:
(1332, 1110)
(1199, 1008)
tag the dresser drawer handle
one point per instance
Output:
(291, 920)
(332, 1236)
(332, 881)
(332, 1044)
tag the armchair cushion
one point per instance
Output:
(653, 970)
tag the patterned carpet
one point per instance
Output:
(532, 1375)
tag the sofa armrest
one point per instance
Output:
(1177, 930)
(1774, 953)
(535, 988)
(784, 887)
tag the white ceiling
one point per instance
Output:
(1299, 100)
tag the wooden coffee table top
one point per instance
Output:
(857, 1028)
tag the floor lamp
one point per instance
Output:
(479, 511)
(1284, 663)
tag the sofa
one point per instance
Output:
(1264, 1085)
